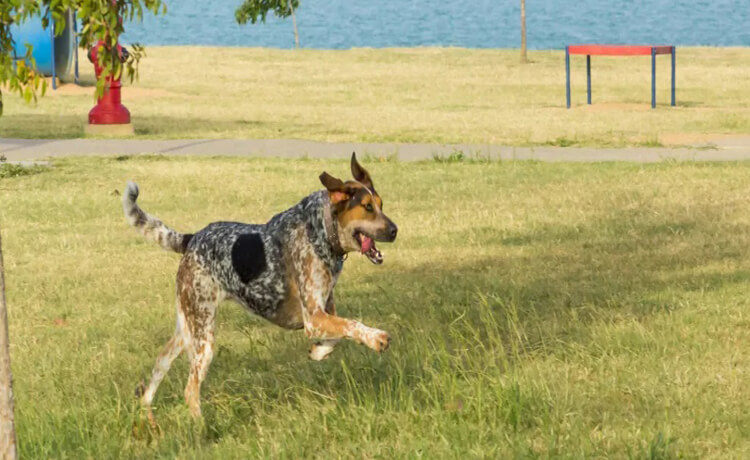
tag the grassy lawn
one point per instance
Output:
(552, 310)
(435, 95)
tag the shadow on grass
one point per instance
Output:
(40, 126)
(455, 324)
(174, 127)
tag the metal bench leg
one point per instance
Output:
(567, 76)
(588, 77)
(673, 75)
(653, 78)
(75, 34)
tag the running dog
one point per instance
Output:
(284, 271)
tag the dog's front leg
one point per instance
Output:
(321, 349)
(328, 327)
(319, 324)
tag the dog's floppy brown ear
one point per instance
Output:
(336, 188)
(332, 184)
(360, 174)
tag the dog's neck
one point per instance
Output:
(332, 227)
(322, 230)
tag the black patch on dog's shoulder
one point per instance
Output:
(248, 256)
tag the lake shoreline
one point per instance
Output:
(337, 24)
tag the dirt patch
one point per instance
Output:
(69, 89)
(138, 92)
(615, 106)
(133, 92)
(704, 139)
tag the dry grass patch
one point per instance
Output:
(436, 95)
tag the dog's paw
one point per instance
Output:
(321, 350)
(377, 340)
(383, 341)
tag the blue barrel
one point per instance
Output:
(31, 32)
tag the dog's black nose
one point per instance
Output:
(393, 231)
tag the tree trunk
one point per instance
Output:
(294, 22)
(523, 31)
(7, 427)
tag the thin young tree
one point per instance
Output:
(294, 24)
(7, 425)
(257, 10)
(523, 32)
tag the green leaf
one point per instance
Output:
(100, 21)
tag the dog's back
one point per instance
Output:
(249, 261)
(246, 260)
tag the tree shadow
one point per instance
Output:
(41, 126)
(625, 265)
(567, 281)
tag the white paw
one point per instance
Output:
(321, 350)
(376, 339)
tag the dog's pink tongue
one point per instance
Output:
(366, 243)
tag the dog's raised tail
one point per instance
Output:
(149, 226)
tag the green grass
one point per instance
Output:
(433, 95)
(537, 310)
(15, 170)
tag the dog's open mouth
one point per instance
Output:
(367, 247)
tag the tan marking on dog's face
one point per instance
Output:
(362, 212)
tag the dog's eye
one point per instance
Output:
(368, 207)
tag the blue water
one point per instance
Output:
(551, 24)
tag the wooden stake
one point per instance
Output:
(7, 426)
(294, 22)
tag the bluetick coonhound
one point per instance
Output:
(284, 271)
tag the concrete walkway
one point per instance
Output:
(36, 149)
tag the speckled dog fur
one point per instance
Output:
(284, 271)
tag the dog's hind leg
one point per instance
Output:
(171, 350)
(201, 352)
(200, 296)
(197, 299)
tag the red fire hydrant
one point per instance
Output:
(108, 109)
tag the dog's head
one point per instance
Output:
(358, 209)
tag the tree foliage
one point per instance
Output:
(17, 78)
(100, 20)
(254, 10)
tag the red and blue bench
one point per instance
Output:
(618, 50)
